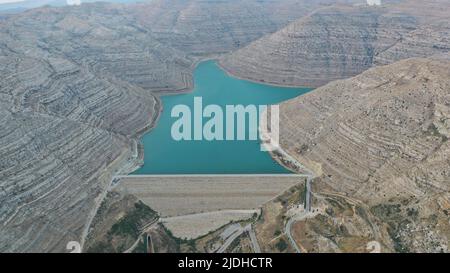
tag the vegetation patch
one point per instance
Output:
(123, 234)
(281, 245)
(131, 223)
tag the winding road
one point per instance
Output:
(307, 213)
(248, 228)
(144, 230)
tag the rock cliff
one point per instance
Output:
(382, 137)
(76, 91)
(344, 40)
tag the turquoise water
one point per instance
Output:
(163, 155)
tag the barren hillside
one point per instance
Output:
(344, 40)
(76, 89)
(382, 138)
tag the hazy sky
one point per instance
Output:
(370, 2)
(9, 1)
(41, 2)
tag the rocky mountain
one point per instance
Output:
(382, 138)
(78, 85)
(200, 26)
(344, 40)
(77, 89)
(64, 131)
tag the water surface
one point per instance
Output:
(163, 155)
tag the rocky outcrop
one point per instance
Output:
(198, 26)
(382, 137)
(77, 84)
(64, 132)
(342, 41)
(76, 88)
(74, 97)
(101, 38)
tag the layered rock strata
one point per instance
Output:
(382, 137)
(342, 41)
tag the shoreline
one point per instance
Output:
(234, 75)
(157, 95)
(128, 166)
(125, 165)
(190, 86)
(281, 156)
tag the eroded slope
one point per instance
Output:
(382, 138)
(76, 89)
(342, 41)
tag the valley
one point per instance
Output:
(80, 87)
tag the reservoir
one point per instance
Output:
(164, 155)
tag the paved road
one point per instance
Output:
(288, 227)
(300, 216)
(375, 229)
(255, 244)
(97, 203)
(289, 235)
(232, 238)
(308, 195)
(248, 228)
(144, 230)
(309, 177)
